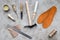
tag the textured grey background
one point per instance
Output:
(37, 33)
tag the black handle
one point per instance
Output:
(21, 14)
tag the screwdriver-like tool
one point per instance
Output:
(14, 9)
(21, 10)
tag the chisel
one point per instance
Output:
(20, 32)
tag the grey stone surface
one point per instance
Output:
(37, 33)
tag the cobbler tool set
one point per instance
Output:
(46, 18)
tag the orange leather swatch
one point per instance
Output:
(42, 17)
(47, 17)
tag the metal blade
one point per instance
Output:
(23, 34)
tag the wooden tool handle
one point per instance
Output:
(28, 13)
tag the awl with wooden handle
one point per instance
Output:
(21, 10)
(28, 13)
(14, 9)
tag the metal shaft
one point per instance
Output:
(23, 34)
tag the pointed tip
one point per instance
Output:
(13, 33)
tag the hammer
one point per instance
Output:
(29, 17)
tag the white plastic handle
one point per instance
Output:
(35, 9)
(36, 5)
